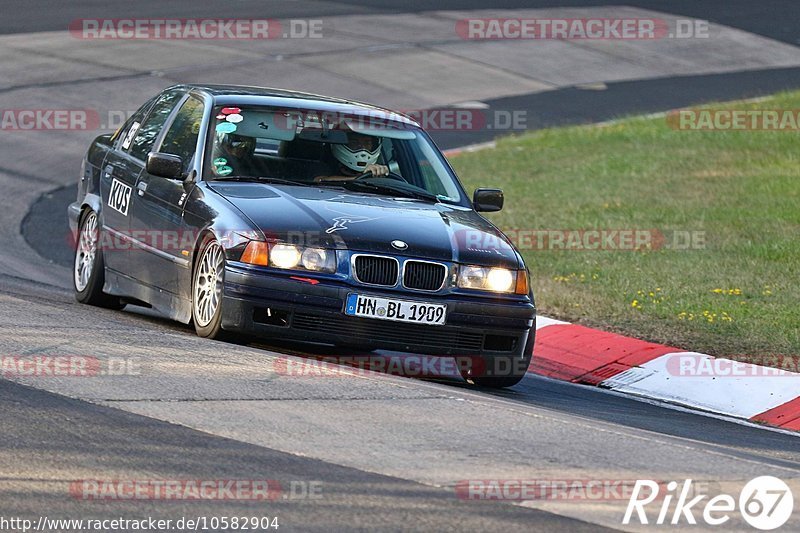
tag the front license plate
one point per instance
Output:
(397, 310)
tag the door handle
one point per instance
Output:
(141, 187)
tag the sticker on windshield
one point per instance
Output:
(235, 118)
(226, 127)
(119, 197)
(126, 142)
(224, 170)
(230, 110)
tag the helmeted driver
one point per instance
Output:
(358, 156)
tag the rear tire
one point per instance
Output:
(88, 270)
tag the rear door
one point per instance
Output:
(118, 175)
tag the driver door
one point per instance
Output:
(160, 203)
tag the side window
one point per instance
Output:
(181, 139)
(130, 127)
(147, 132)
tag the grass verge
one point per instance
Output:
(734, 294)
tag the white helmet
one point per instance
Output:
(361, 150)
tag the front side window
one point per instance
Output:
(380, 156)
(181, 139)
(147, 132)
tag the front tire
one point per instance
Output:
(207, 286)
(88, 272)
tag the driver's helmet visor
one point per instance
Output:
(356, 142)
(238, 142)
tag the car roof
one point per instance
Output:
(243, 94)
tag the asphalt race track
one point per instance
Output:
(385, 452)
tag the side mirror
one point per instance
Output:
(488, 200)
(164, 165)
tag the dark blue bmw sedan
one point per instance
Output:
(296, 216)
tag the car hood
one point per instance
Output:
(334, 218)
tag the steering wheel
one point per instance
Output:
(390, 175)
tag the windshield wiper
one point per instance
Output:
(262, 179)
(283, 181)
(387, 188)
(234, 178)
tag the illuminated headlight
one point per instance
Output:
(500, 280)
(487, 279)
(284, 256)
(289, 256)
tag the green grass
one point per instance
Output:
(741, 188)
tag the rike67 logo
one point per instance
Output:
(765, 503)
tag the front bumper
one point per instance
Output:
(278, 307)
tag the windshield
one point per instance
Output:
(324, 149)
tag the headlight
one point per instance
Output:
(314, 258)
(284, 256)
(500, 280)
(493, 279)
(289, 256)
